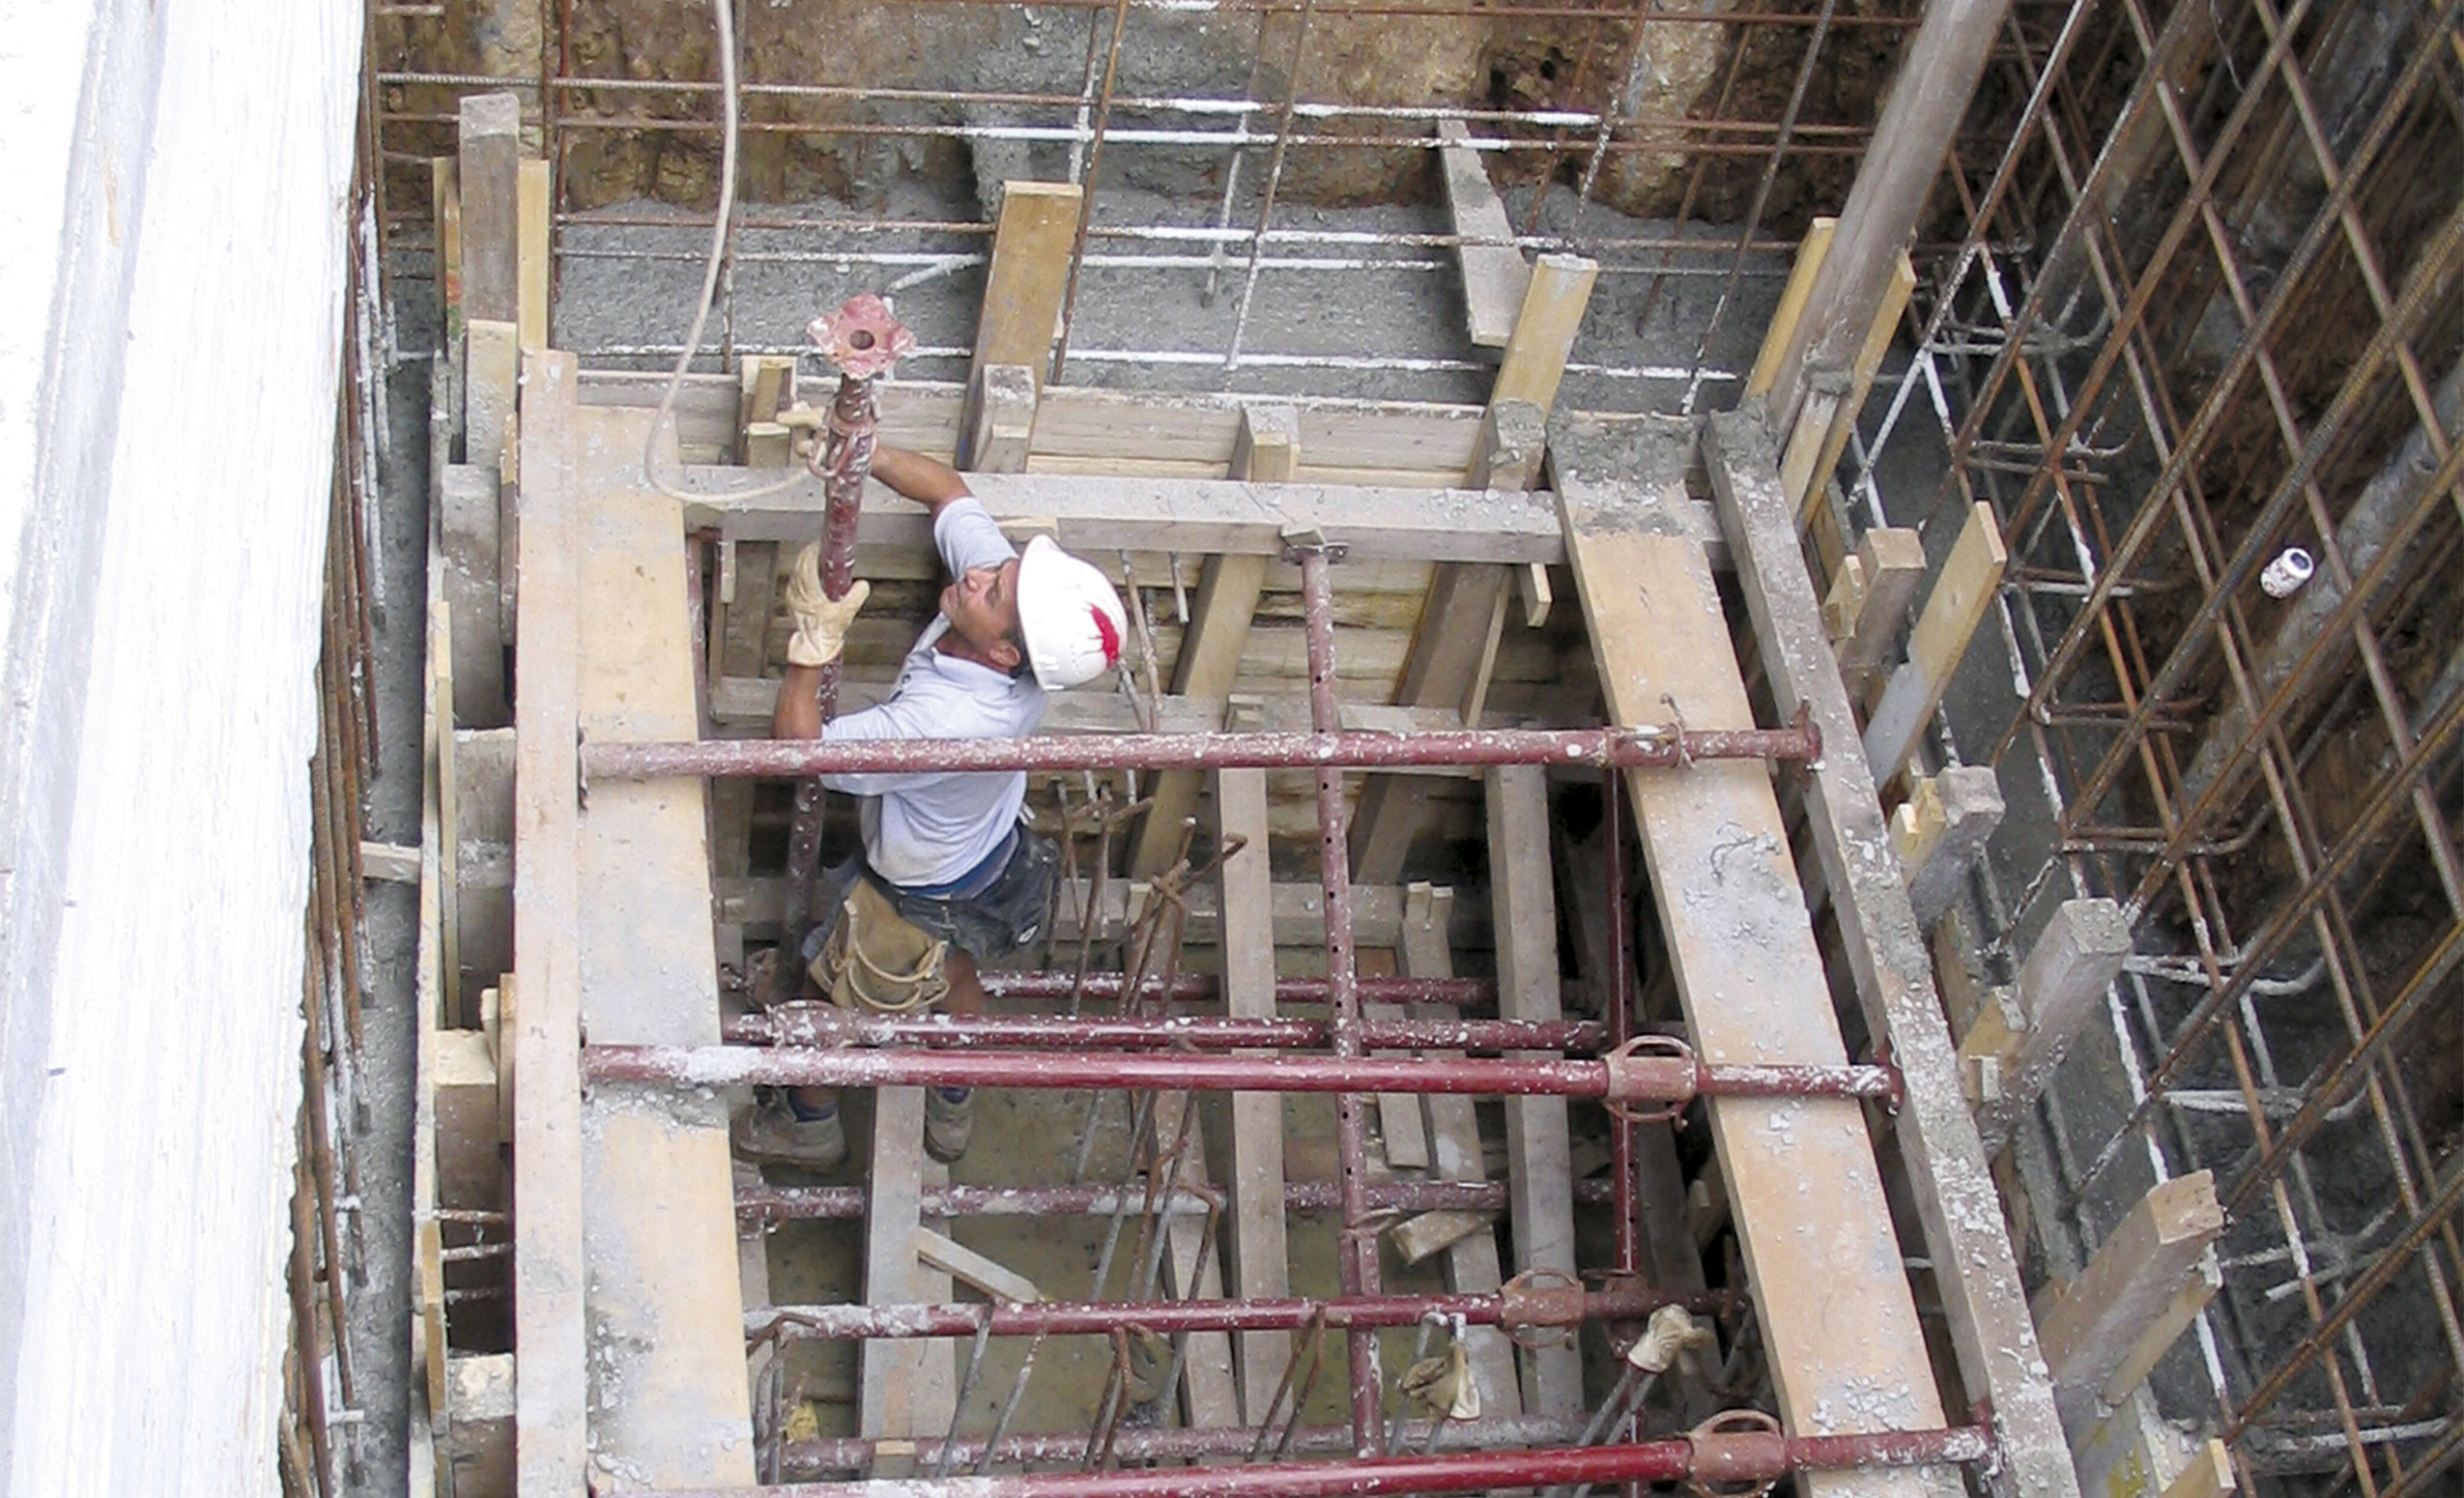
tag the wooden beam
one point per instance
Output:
(1496, 277)
(2138, 1270)
(1455, 635)
(1810, 251)
(1268, 450)
(1539, 1174)
(1102, 515)
(489, 137)
(1031, 272)
(2166, 1328)
(534, 216)
(1865, 622)
(1261, 1258)
(1210, 1395)
(1837, 1312)
(491, 359)
(444, 185)
(1000, 420)
(1961, 592)
(1471, 1263)
(1545, 330)
(1958, 1207)
(1939, 833)
(666, 1308)
(2075, 957)
(467, 521)
(904, 1389)
(550, 1270)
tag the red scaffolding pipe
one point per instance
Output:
(1163, 1443)
(863, 340)
(1518, 1307)
(1740, 1457)
(1631, 1079)
(1193, 987)
(767, 1204)
(1618, 748)
(826, 1024)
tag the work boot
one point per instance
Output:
(774, 1133)
(949, 1121)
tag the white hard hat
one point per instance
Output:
(1070, 615)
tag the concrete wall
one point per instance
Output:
(171, 284)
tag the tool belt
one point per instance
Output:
(879, 960)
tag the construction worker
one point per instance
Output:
(951, 877)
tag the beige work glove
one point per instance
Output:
(820, 624)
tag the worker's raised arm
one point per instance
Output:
(928, 481)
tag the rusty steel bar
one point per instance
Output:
(1623, 748)
(766, 1203)
(1153, 1443)
(1671, 1078)
(1194, 988)
(1753, 1458)
(864, 340)
(808, 1025)
(1357, 1250)
(1517, 1307)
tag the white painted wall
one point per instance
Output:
(171, 300)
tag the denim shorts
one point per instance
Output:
(1002, 919)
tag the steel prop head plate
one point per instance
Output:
(861, 338)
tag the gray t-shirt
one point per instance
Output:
(929, 828)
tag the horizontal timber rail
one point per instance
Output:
(1525, 1302)
(1755, 1459)
(766, 1203)
(1625, 748)
(826, 1024)
(1655, 1069)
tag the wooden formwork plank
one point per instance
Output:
(444, 185)
(1868, 363)
(428, 1366)
(1838, 1315)
(535, 221)
(1265, 449)
(1810, 251)
(1471, 1263)
(1939, 833)
(489, 139)
(658, 1216)
(1544, 330)
(552, 1383)
(1031, 272)
(1539, 1174)
(998, 430)
(1495, 274)
(1261, 1255)
(1962, 590)
(1974, 1269)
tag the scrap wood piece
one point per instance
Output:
(1957, 1205)
(1833, 1298)
(980, 1271)
(2093, 1327)
(905, 1388)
